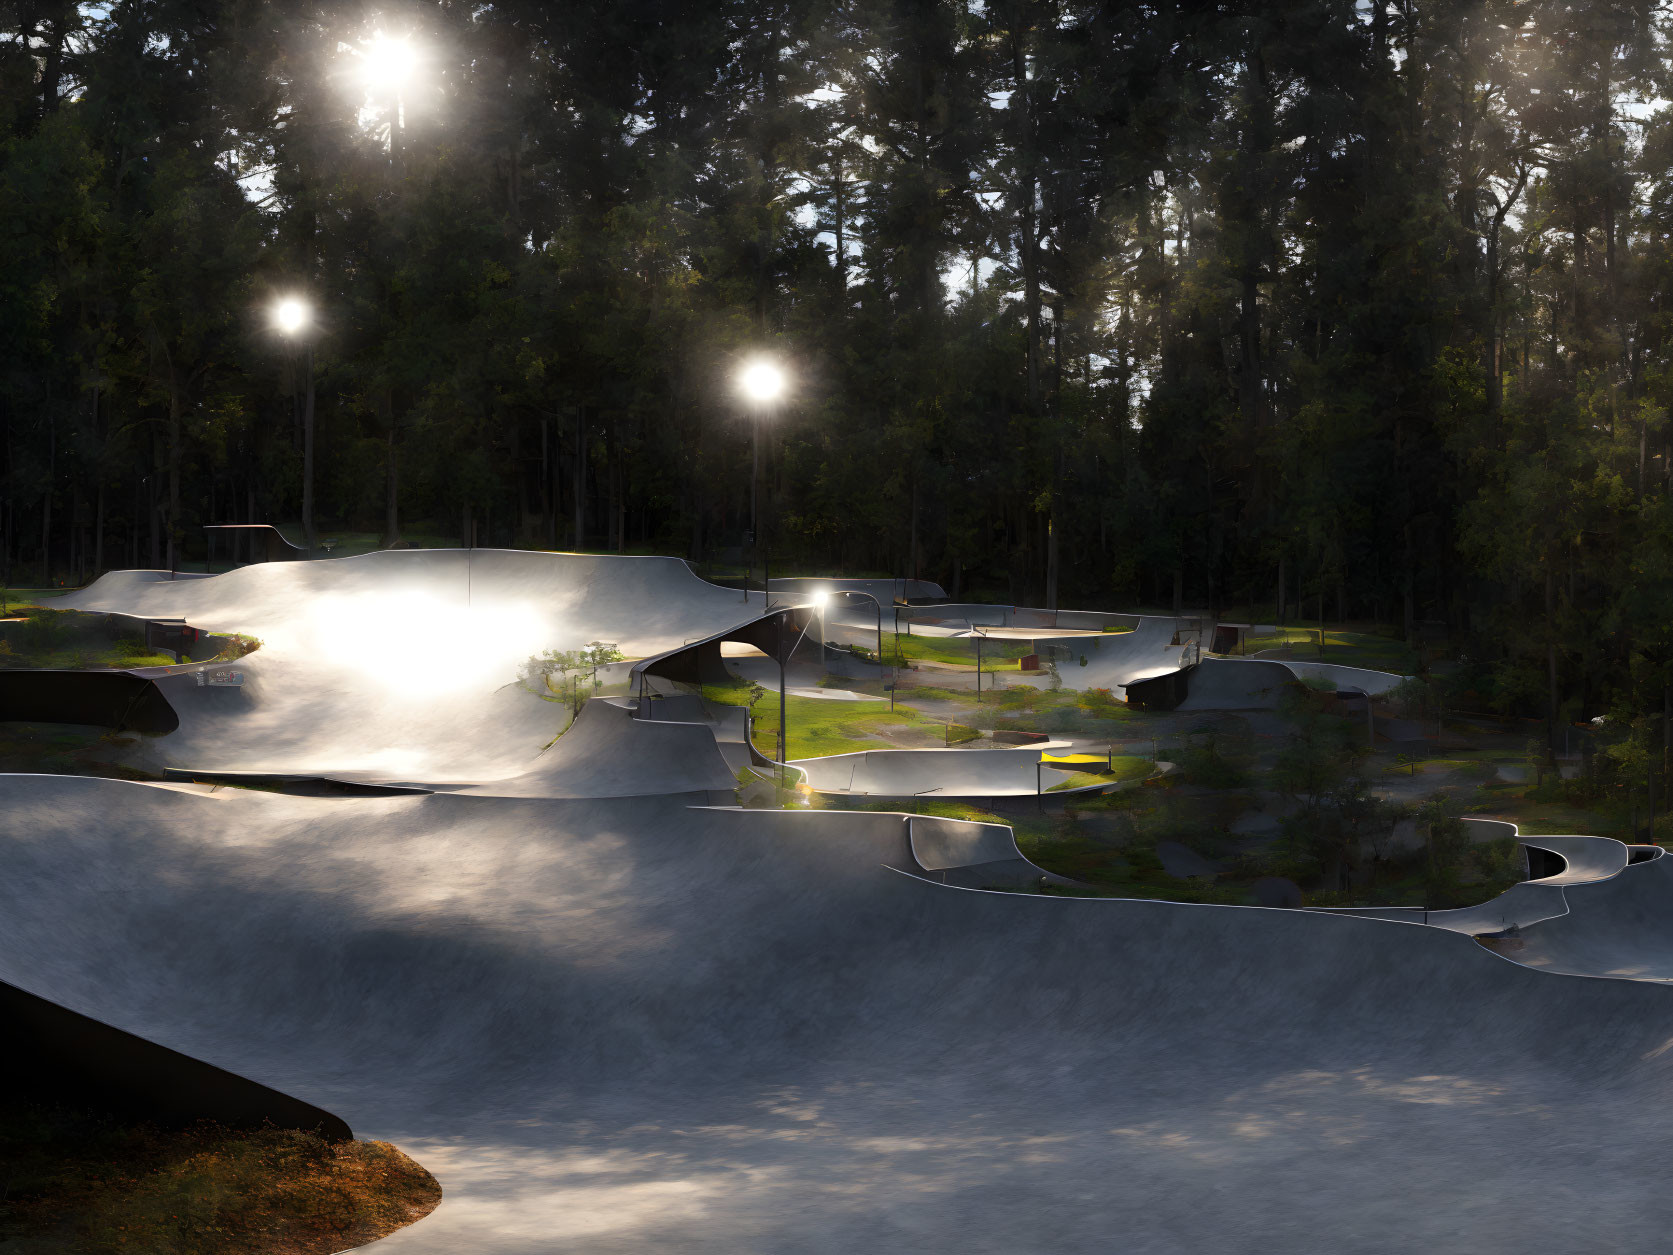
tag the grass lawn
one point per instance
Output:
(71, 640)
(66, 749)
(1478, 768)
(820, 726)
(95, 1185)
(1092, 769)
(1535, 818)
(957, 650)
(1084, 779)
(1348, 649)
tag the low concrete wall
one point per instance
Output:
(109, 699)
(54, 1053)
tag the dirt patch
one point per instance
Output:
(90, 1184)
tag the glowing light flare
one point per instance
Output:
(761, 381)
(418, 645)
(291, 314)
(387, 64)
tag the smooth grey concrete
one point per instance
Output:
(1237, 684)
(800, 589)
(625, 1025)
(936, 773)
(402, 665)
(609, 753)
(1376, 683)
(1112, 660)
(1620, 926)
(1586, 861)
(635, 1024)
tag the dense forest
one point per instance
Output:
(1326, 308)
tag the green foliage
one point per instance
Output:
(538, 673)
(1332, 293)
(1445, 849)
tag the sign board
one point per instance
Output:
(220, 679)
(174, 635)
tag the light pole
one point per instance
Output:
(762, 382)
(294, 320)
(856, 592)
(783, 702)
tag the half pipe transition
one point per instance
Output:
(627, 1025)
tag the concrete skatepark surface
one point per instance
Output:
(403, 664)
(1113, 660)
(936, 773)
(615, 1023)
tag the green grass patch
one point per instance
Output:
(1475, 768)
(997, 655)
(822, 726)
(1534, 818)
(1090, 769)
(38, 637)
(1348, 649)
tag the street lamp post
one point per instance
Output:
(295, 321)
(783, 685)
(856, 592)
(762, 382)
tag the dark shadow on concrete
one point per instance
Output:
(109, 699)
(53, 1053)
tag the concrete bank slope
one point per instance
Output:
(1620, 925)
(629, 1025)
(403, 665)
(933, 773)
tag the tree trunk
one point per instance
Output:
(46, 501)
(1028, 245)
(548, 486)
(307, 451)
(174, 424)
(580, 471)
(391, 487)
(1551, 656)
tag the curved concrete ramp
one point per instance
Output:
(974, 855)
(1113, 659)
(625, 1025)
(1620, 927)
(1376, 683)
(1584, 860)
(607, 752)
(887, 592)
(120, 700)
(1237, 684)
(401, 665)
(943, 773)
